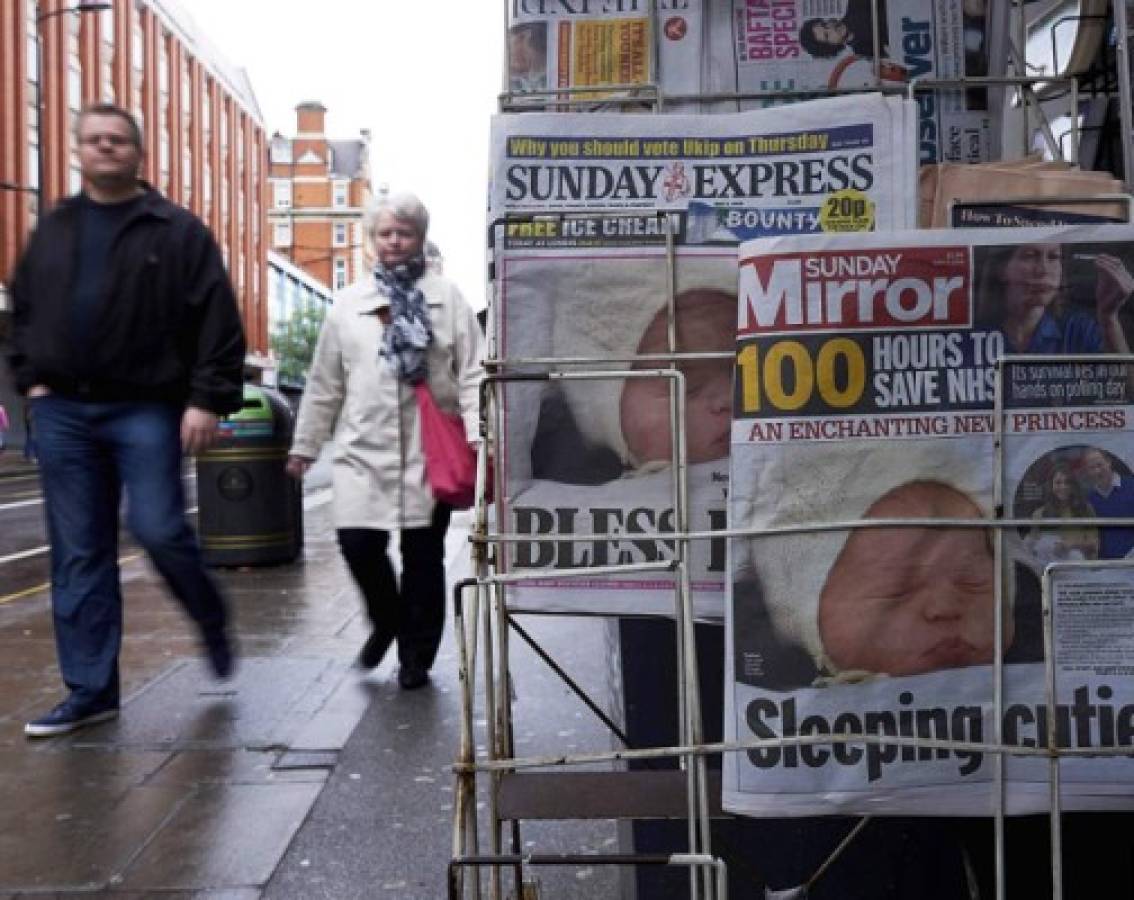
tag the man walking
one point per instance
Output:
(128, 344)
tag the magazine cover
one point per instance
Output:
(796, 45)
(697, 50)
(865, 389)
(579, 45)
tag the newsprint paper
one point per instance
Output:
(577, 280)
(842, 164)
(700, 51)
(602, 43)
(865, 387)
(593, 456)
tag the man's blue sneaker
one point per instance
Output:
(68, 716)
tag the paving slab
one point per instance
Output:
(198, 767)
(84, 840)
(263, 706)
(223, 836)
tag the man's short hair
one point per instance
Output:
(1101, 454)
(111, 109)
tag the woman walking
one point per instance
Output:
(399, 326)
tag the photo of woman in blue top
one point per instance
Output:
(1024, 293)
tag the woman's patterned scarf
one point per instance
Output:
(410, 331)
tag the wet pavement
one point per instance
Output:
(300, 778)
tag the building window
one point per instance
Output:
(340, 194)
(340, 234)
(281, 191)
(280, 151)
(340, 274)
(138, 49)
(74, 89)
(33, 52)
(163, 63)
(281, 234)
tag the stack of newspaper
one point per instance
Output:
(1030, 191)
(841, 370)
(720, 55)
(583, 206)
(868, 388)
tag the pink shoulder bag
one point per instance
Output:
(450, 463)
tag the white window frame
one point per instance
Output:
(281, 194)
(281, 234)
(340, 276)
(280, 151)
(340, 194)
(339, 234)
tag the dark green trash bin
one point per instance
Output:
(250, 512)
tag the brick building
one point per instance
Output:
(319, 192)
(205, 141)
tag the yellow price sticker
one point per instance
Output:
(847, 210)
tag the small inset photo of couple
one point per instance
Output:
(1077, 482)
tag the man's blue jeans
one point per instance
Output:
(89, 453)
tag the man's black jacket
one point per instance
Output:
(166, 325)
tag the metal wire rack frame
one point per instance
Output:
(484, 621)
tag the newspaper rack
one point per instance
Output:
(521, 793)
(544, 787)
(485, 624)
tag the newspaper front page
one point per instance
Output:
(577, 280)
(865, 390)
(593, 457)
(842, 164)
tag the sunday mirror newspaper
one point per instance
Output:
(866, 383)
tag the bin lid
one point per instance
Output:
(256, 407)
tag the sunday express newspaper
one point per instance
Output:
(865, 389)
(842, 164)
(577, 280)
(593, 457)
